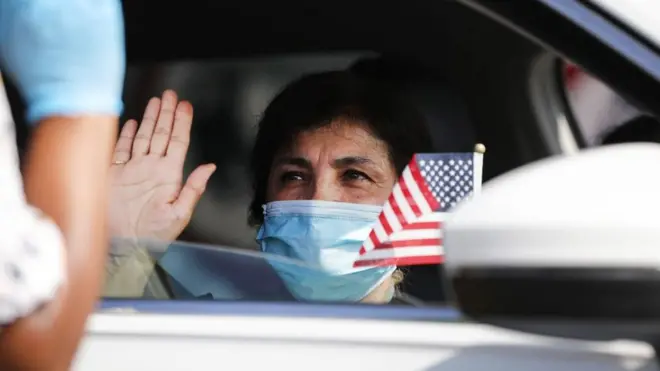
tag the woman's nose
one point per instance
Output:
(326, 191)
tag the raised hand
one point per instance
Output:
(148, 197)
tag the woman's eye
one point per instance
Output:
(353, 175)
(291, 176)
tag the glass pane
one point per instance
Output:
(151, 269)
(305, 128)
(600, 114)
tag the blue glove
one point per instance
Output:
(67, 57)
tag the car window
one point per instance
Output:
(595, 107)
(153, 269)
(231, 99)
(601, 116)
(183, 271)
(248, 118)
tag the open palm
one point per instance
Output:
(148, 198)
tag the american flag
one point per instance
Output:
(409, 229)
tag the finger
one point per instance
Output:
(125, 142)
(192, 191)
(164, 124)
(180, 139)
(143, 136)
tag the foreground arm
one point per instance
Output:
(67, 60)
(58, 157)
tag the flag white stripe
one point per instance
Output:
(416, 234)
(380, 233)
(391, 217)
(415, 192)
(403, 252)
(368, 245)
(401, 201)
(433, 217)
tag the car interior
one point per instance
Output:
(468, 74)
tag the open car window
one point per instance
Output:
(596, 108)
(602, 116)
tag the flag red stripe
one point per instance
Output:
(374, 240)
(375, 263)
(407, 243)
(420, 260)
(423, 187)
(402, 261)
(386, 226)
(417, 226)
(397, 211)
(385, 223)
(409, 197)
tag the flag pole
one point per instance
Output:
(479, 150)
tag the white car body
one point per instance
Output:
(137, 342)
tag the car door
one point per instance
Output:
(325, 338)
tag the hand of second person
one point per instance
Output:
(148, 198)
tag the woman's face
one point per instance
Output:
(338, 162)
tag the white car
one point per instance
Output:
(481, 70)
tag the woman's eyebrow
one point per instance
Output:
(296, 161)
(352, 160)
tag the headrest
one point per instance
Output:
(444, 109)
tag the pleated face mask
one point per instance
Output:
(324, 237)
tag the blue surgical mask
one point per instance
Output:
(325, 237)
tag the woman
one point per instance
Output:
(67, 59)
(329, 150)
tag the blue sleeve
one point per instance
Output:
(67, 57)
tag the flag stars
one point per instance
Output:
(448, 176)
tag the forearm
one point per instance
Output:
(66, 176)
(129, 267)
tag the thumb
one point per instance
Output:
(192, 191)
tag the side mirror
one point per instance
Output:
(568, 246)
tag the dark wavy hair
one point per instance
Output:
(317, 100)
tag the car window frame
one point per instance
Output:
(574, 31)
(283, 309)
(633, 16)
